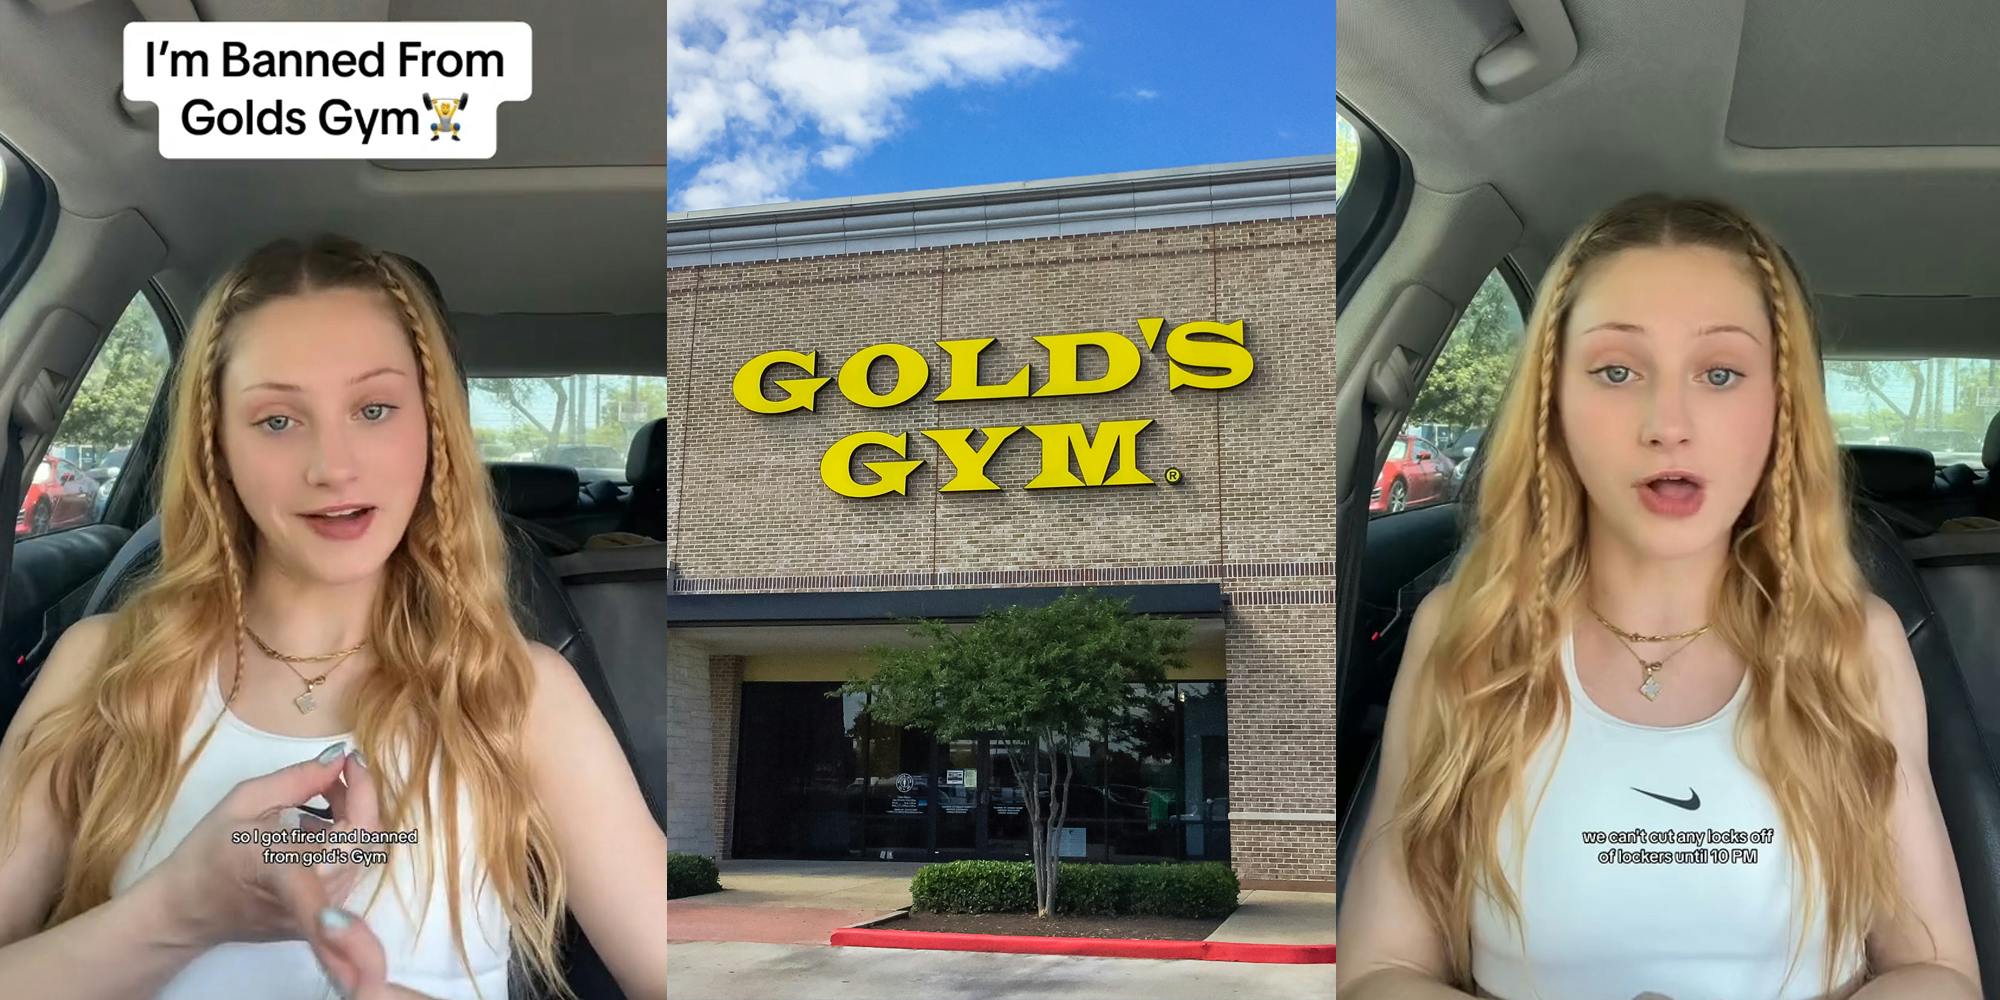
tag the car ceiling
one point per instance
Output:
(555, 244)
(1867, 137)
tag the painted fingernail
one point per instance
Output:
(327, 755)
(334, 920)
(358, 758)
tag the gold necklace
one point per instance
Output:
(306, 702)
(1636, 637)
(1651, 687)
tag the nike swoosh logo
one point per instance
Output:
(1691, 803)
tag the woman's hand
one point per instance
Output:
(352, 956)
(217, 878)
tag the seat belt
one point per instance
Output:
(10, 497)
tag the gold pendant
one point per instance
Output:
(306, 702)
(1651, 689)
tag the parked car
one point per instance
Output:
(60, 496)
(1417, 474)
(1463, 449)
(106, 473)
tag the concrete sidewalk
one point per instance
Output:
(713, 970)
(1265, 916)
(790, 902)
(804, 902)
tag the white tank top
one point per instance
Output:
(415, 931)
(1613, 900)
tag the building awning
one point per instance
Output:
(1185, 600)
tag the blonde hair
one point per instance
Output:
(450, 692)
(1791, 603)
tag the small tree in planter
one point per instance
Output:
(1050, 676)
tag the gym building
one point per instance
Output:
(932, 404)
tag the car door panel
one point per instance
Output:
(47, 586)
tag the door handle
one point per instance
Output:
(1528, 61)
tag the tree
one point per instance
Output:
(520, 394)
(117, 393)
(1051, 676)
(1464, 387)
(1867, 376)
(1346, 151)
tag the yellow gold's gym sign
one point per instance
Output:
(1200, 355)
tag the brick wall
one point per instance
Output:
(1253, 510)
(1280, 853)
(725, 698)
(690, 752)
(1280, 660)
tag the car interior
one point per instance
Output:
(1488, 130)
(547, 258)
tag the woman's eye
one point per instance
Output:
(1722, 378)
(1614, 374)
(275, 423)
(376, 411)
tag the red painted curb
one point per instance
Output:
(1209, 951)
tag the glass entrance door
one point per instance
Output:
(898, 803)
(958, 795)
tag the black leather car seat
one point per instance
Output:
(646, 470)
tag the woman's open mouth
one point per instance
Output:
(342, 524)
(1673, 493)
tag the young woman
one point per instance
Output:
(1655, 736)
(331, 576)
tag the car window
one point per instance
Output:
(1346, 156)
(1458, 398)
(76, 477)
(1397, 452)
(583, 421)
(1939, 404)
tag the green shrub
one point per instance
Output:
(974, 887)
(1199, 890)
(1205, 889)
(691, 875)
(1096, 890)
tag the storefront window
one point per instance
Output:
(794, 773)
(817, 777)
(1143, 790)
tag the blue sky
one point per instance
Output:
(789, 100)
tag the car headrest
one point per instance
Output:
(534, 489)
(1893, 472)
(1989, 454)
(646, 463)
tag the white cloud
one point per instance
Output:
(835, 157)
(758, 177)
(756, 85)
(1144, 94)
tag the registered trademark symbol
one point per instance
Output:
(1173, 476)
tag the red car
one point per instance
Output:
(1416, 474)
(60, 496)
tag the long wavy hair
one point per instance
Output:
(1791, 603)
(451, 689)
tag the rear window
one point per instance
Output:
(583, 421)
(1941, 405)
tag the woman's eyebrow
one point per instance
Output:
(356, 380)
(1728, 328)
(1616, 326)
